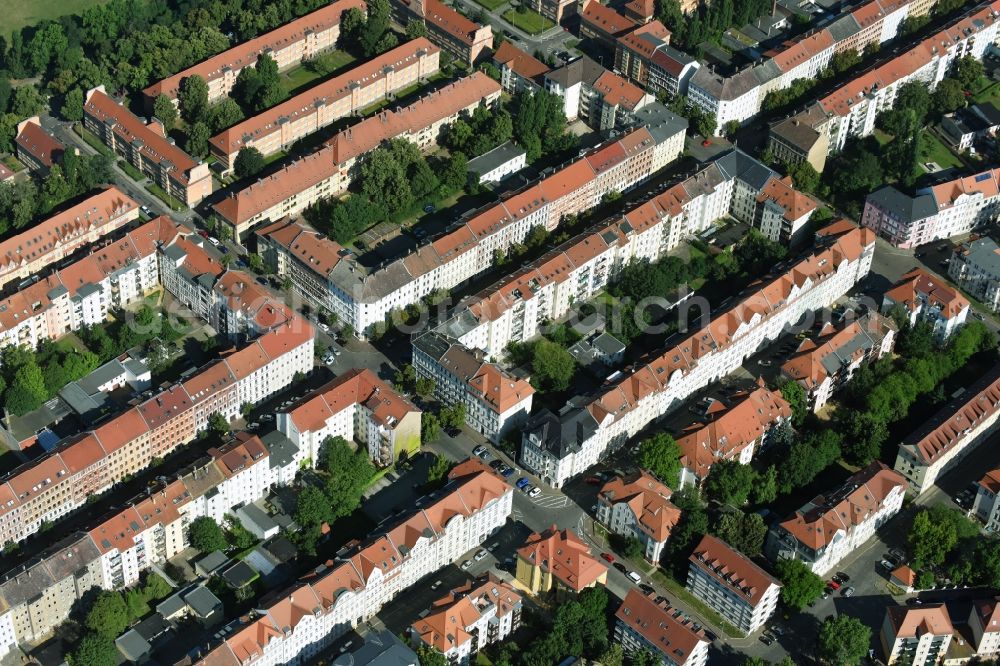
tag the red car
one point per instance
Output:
(833, 585)
(203, 233)
(607, 557)
(706, 143)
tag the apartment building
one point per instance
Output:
(948, 209)
(470, 617)
(823, 364)
(603, 24)
(943, 440)
(495, 165)
(519, 71)
(29, 253)
(923, 298)
(559, 447)
(831, 526)
(496, 401)
(635, 49)
(147, 530)
(729, 583)
(302, 39)
(357, 406)
(985, 505)
(146, 147)
(638, 506)
(796, 140)
(984, 625)
(37, 149)
(916, 635)
(328, 277)
(373, 81)
(975, 266)
(557, 561)
(643, 625)
(555, 10)
(330, 170)
(852, 108)
(299, 624)
(782, 212)
(463, 38)
(730, 432)
(600, 97)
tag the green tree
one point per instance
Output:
(947, 97)
(136, 603)
(249, 162)
(844, 640)
(661, 455)
(415, 29)
(730, 482)
(348, 473)
(312, 508)
(197, 140)
(804, 176)
(222, 115)
(26, 101)
(453, 416)
(552, 366)
(796, 397)
(969, 72)
(429, 656)
(845, 60)
(95, 650)
(765, 490)
(430, 427)
(238, 536)
(27, 391)
(800, 585)
(108, 615)
(193, 98)
(438, 470)
(613, 656)
(864, 435)
(424, 387)
(72, 106)
(218, 423)
(155, 587)
(935, 532)
(743, 531)
(633, 549)
(808, 457)
(164, 109)
(205, 535)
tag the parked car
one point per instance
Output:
(527, 489)
(847, 592)
(887, 565)
(146, 210)
(496, 464)
(466, 564)
(711, 636)
(913, 601)
(634, 577)
(647, 588)
(844, 578)
(203, 233)
(478, 450)
(607, 557)
(436, 585)
(833, 585)
(213, 240)
(481, 555)
(534, 492)
(523, 483)
(593, 481)
(621, 567)
(506, 471)
(766, 639)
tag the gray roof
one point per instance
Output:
(280, 548)
(903, 206)
(608, 344)
(563, 434)
(281, 451)
(495, 158)
(171, 606)
(737, 164)
(255, 515)
(661, 122)
(843, 28)
(212, 562)
(380, 648)
(101, 375)
(79, 401)
(984, 254)
(202, 601)
(796, 133)
(152, 627)
(239, 574)
(433, 344)
(583, 69)
(133, 646)
(737, 85)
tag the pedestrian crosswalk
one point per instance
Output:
(551, 501)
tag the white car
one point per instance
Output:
(634, 577)
(480, 555)
(479, 450)
(326, 329)
(534, 492)
(466, 565)
(213, 240)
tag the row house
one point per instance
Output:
(985, 505)
(947, 437)
(645, 625)
(851, 109)
(470, 617)
(327, 276)
(146, 147)
(921, 297)
(557, 561)
(146, 531)
(37, 149)
(638, 506)
(357, 406)
(730, 432)
(304, 621)
(728, 582)
(27, 254)
(603, 24)
(825, 363)
(496, 401)
(290, 44)
(373, 81)
(951, 208)
(328, 171)
(462, 37)
(559, 447)
(827, 529)
(975, 267)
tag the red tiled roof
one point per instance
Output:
(38, 143)
(674, 637)
(732, 569)
(522, 64)
(565, 556)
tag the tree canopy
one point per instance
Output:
(800, 585)
(661, 455)
(743, 531)
(249, 162)
(205, 535)
(844, 640)
(552, 367)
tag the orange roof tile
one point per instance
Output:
(565, 556)
(732, 569)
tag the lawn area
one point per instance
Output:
(132, 172)
(11, 163)
(991, 93)
(92, 140)
(161, 194)
(527, 20)
(296, 79)
(933, 150)
(19, 14)
(491, 5)
(882, 137)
